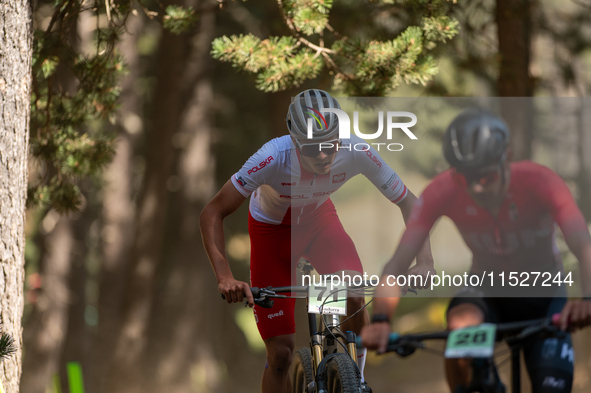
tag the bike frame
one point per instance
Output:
(318, 339)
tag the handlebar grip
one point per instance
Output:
(359, 342)
(224, 297)
(556, 320)
(393, 338)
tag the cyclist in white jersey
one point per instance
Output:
(290, 180)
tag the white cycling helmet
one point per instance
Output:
(308, 105)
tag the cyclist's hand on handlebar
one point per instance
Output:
(375, 336)
(420, 269)
(235, 291)
(575, 314)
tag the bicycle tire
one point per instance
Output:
(302, 370)
(342, 375)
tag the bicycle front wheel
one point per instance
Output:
(302, 371)
(342, 375)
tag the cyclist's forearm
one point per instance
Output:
(212, 233)
(580, 245)
(402, 259)
(386, 300)
(424, 256)
(406, 205)
(585, 262)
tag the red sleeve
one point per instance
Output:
(428, 208)
(556, 196)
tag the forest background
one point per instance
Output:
(139, 112)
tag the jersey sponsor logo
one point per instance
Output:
(289, 184)
(261, 165)
(554, 383)
(395, 185)
(301, 196)
(387, 184)
(549, 348)
(241, 181)
(277, 314)
(338, 178)
(372, 157)
(567, 352)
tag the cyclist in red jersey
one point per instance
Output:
(506, 214)
(289, 181)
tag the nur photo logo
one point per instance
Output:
(392, 123)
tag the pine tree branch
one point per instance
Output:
(297, 34)
(108, 10)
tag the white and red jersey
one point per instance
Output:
(279, 182)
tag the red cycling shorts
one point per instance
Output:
(276, 249)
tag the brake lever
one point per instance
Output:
(406, 348)
(264, 302)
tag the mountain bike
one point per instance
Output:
(477, 343)
(320, 368)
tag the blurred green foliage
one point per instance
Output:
(179, 19)
(359, 65)
(71, 89)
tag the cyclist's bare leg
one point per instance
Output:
(358, 320)
(279, 354)
(457, 371)
(354, 303)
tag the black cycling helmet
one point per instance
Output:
(477, 138)
(308, 105)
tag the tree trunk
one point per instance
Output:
(76, 344)
(15, 91)
(118, 211)
(46, 327)
(151, 215)
(513, 18)
(189, 329)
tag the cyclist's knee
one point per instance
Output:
(464, 315)
(280, 352)
(354, 303)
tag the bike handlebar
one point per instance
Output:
(263, 296)
(406, 344)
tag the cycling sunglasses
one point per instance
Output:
(314, 149)
(482, 178)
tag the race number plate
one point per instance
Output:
(472, 342)
(332, 299)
